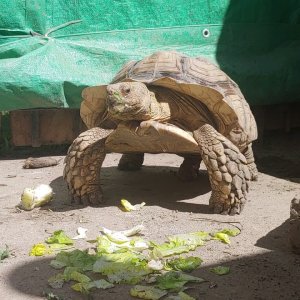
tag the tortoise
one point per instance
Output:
(167, 103)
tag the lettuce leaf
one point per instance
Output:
(223, 237)
(175, 281)
(85, 287)
(76, 258)
(59, 237)
(127, 206)
(147, 292)
(127, 267)
(220, 270)
(187, 264)
(39, 250)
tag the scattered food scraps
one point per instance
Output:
(127, 206)
(223, 237)
(147, 292)
(181, 296)
(81, 233)
(59, 237)
(174, 280)
(4, 253)
(36, 197)
(39, 250)
(220, 270)
(185, 264)
(127, 259)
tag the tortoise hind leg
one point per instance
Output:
(131, 162)
(248, 153)
(189, 169)
(82, 166)
(228, 171)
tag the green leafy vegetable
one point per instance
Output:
(147, 292)
(57, 281)
(127, 206)
(193, 238)
(105, 245)
(76, 258)
(85, 287)
(181, 296)
(187, 264)
(220, 270)
(175, 280)
(79, 277)
(223, 237)
(170, 248)
(39, 250)
(4, 253)
(59, 237)
(36, 197)
(231, 232)
(125, 267)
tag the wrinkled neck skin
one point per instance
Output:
(159, 111)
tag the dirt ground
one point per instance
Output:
(261, 262)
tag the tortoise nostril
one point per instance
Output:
(110, 91)
(127, 90)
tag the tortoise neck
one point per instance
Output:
(159, 111)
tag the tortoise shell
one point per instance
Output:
(193, 76)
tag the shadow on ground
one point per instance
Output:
(278, 155)
(154, 185)
(270, 275)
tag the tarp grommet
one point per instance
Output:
(206, 32)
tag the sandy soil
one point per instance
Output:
(262, 265)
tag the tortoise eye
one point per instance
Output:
(126, 90)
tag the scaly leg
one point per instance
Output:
(189, 169)
(82, 166)
(228, 171)
(131, 162)
(248, 153)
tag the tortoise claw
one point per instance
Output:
(93, 198)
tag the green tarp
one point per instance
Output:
(51, 49)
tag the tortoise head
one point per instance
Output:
(129, 101)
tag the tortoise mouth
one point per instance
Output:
(125, 112)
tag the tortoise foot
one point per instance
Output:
(220, 204)
(93, 198)
(189, 169)
(131, 162)
(253, 171)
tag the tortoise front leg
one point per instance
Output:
(82, 166)
(227, 168)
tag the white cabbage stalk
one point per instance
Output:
(36, 197)
(156, 265)
(81, 233)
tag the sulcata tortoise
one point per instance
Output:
(167, 103)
